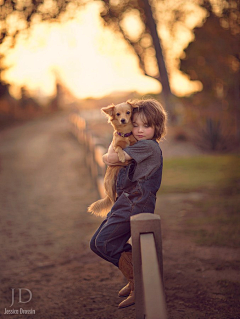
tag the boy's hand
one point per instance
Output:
(105, 160)
(111, 157)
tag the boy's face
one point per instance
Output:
(141, 131)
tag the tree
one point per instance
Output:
(18, 15)
(146, 43)
(213, 58)
(3, 86)
(152, 51)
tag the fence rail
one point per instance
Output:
(145, 232)
(94, 150)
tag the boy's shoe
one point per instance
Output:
(128, 302)
(126, 267)
(125, 291)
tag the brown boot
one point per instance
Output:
(125, 291)
(126, 267)
(129, 301)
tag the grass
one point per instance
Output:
(217, 222)
(199, 173)
(216, 219)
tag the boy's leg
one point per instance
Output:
(111, 239)
(93, 240)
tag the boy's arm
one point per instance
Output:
(111, 157)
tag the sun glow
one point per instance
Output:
(89, 59)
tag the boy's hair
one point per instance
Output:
(154, 114)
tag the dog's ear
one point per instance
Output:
(108, 109)
(134, 106)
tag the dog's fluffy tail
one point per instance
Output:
(101, 207)
(104, 205)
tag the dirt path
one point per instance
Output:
(44, 233)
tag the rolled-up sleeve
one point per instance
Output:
(140, 151)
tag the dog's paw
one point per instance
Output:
(121, 158)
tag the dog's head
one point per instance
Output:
(119, 114)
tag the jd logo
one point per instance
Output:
(20, 295)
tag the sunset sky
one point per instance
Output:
(89, 59)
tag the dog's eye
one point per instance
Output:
(118, 114)
(128, 112)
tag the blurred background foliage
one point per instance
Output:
(213, 58)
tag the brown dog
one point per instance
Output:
(120, 117)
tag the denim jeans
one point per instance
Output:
(110, 239)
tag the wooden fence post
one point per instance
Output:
(148, 267)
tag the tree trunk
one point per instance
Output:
(163, 75)
(237, 103)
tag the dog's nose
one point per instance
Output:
(123, 121)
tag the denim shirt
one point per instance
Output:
(134, 197)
